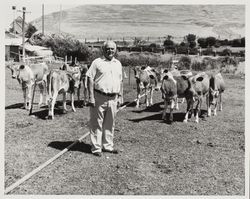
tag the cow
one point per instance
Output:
(147, 79)
(216, 88)
(27, 76)
(174, 87)
(200, 83)
(175, 72)
(61, 82)
(81, 70)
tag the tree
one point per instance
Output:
(30, 30)
(168, 43)
(202, 42)
(190, 38)
(243, 42)
(211, 41)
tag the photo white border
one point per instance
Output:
(187, 2)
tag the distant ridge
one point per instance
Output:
(119, 21)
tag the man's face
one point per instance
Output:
(109, 50)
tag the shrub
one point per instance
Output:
(184, 63)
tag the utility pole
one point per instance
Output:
(60, 18)
(14, 19)
(23, 30)
(43, 19)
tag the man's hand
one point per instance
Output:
(119, 100)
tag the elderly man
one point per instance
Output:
(104, 85)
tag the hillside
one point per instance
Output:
(118, 21)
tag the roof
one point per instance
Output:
(12, 39)
(33, 48)
(18, 24)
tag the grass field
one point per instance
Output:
(156, 158)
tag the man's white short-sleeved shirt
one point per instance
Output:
(106, 74)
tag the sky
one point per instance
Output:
(33, 10)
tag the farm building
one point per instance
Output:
(17, 25)
(13, 48)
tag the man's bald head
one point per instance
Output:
(109, 49)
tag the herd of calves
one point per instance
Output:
(173, 84)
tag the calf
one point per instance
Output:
(27, 75)
(216, 88)
(64, 82)
(174, 87)
(147, 79)
(201, 86)
(175, 72)
(79, 74)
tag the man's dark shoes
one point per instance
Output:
(114, 151)
(98, 154)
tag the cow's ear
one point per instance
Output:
(151, 76)
(184, 77)
(199, 79)
(21, 67)
(165, 71)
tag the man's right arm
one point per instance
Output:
(91, 91)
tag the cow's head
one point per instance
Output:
(75, 78)
(213, 96)
(137, 70)
(14, 70)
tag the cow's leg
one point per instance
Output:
(208, 107)
(151, 96)
(24, 98)
(189, 107)
(176, 104)
(215, 107)
(138, 98)
(197, 110)
(72, 102)
(172, 104)
(146, 97)
(53, 102)
(165, 109)
(64, 94)
(41, 93)
(220, 102)
(29, 96)
(78, 93)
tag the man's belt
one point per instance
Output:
(106, 94)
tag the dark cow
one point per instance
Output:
(60, 82)
(216, 88)
(175, 72)
(147, 80)
(27, 75)
(174, 87)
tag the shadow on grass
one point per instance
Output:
(81, 147)
(177, 117)
(154, 108)
(43, 114)
(15, 106)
